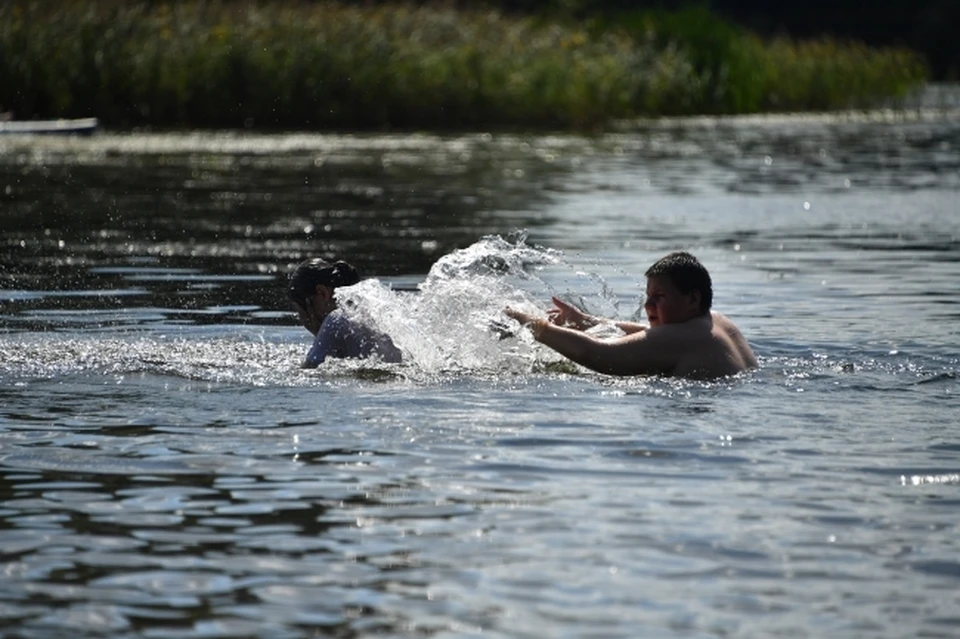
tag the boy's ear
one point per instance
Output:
(695, 298)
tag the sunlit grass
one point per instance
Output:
(336, 67)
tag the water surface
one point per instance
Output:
(168, 470)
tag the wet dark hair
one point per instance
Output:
(306, 277)
(687, 274)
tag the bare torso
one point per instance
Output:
(713, 347)
(703, 347)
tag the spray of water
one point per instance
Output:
(455, 320)
(453, 324)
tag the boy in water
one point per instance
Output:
(312, 291)
(684, 337)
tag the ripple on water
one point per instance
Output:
(169, 469)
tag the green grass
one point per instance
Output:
(327, 66)
(734, 71)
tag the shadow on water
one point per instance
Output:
(181, 223)
(211, 221)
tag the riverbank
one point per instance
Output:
(333, 67)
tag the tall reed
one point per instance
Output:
(330, 66)
(734, 71)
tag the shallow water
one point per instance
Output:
(167, 470)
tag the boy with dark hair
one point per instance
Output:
(684, 337)
(687, 274)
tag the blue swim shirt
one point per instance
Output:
(346, 338)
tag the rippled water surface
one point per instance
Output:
(168, 470)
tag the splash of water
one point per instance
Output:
(455, 320)
(452, 324)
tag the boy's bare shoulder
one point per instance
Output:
(739, 349)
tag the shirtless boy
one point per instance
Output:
(684, 337)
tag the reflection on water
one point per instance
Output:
(252, 205)
(168, 470)
(200, 220)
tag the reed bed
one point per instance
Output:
(330, 66)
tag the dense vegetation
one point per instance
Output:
(333, 66)
(929, 27)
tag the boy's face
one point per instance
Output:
(665, 304)
(315, 308)
(307, 317)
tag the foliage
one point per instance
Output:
(333, 66)
(734, 71)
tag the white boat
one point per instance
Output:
(62, 126)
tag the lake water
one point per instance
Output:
(168, 470)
